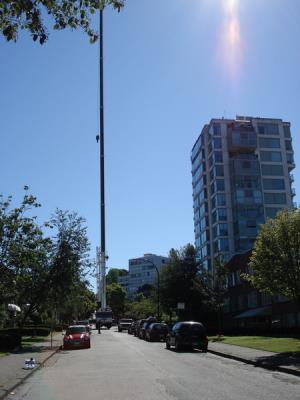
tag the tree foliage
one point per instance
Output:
(113, 275)
(30, 15)
(24, 253)
(141, 308)
(116, 298)
(40, 273)
(275, 259)
(180, 283)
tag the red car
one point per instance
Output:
(77, 337)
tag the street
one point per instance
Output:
(120, 366)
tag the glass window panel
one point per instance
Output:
(288, 145)
(218, 156)
(219, 169)
(269, 143)
(271, 212)
(217, 129)
(269, 169)
(270, 156)
(217, 143)
(287, 131)
(220, 184)
(273, 184)
(275, 198)
(290, 158)
(268, 129)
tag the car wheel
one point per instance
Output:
(177, 346)
(168, 345)
(204, 350)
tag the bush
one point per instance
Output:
(10, 341)
(27, 331)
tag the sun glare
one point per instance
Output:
(230, 43)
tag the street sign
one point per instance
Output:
(180, 306)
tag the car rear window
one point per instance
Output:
(75, 329)
(126, 320)
(191, 328)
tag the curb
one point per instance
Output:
(22, 380)
(286, 370)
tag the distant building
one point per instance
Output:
(241, 175)
(250, 310)
(142, 271)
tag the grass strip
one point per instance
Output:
(267, 343)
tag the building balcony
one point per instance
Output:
(240, 141)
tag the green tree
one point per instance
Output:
(113, 275)
(16, 15)
(25, 259)
(116, 299)
(70, 260)
(141, 307)
(147, 290)
(180, 283)
(214, 288)
(275, 259)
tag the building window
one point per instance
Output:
(217, 143)
(219, 170)
(269, 169)
(266, 299)
(290, 158)
(252, 299)
(221, 199)
(216, 129)
(273, 184)
(288, 145)
(218, 157)
(268, 129)
(220, 185)
(270, 156)
(287, 131)
(271, 212)
(269, 143)
(275, 198)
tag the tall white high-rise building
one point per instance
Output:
(241, 174)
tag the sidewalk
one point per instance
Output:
(283, 362)
(12, 372)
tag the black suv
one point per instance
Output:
(144, 327)
(187, 334)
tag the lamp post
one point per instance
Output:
(157, 271)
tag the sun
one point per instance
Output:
(230, 41)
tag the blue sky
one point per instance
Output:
(170, 66)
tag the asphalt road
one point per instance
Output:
(120, 366)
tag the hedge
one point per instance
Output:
(27, 331)
(10, 341)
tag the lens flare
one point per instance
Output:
(230, 44)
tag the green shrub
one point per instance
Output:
(27, 331)
(9, 341)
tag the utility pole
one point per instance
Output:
(101, 254)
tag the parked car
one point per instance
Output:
(131, 328)
(187, 334)
(76, 337)
(124, 324)
(156, 332)
(144, 326)
(138, 327)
